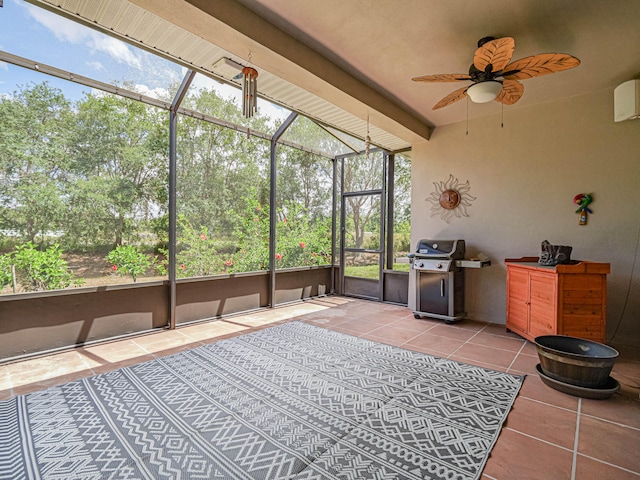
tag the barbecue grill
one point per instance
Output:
(439, 282)
(439, 266)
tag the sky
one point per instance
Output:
(39, 35)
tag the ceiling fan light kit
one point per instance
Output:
(485, 91)
(495, 77)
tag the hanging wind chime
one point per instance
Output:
(249, 91)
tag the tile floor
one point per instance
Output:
(548, 435)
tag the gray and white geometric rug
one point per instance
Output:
(294, 401)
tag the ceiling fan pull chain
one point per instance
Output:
(502, 119)
(467, 115)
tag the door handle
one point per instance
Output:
(442, 287)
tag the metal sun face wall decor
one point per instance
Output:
(450, 198)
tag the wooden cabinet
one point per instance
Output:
(557, 300)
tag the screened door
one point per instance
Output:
(362, 223)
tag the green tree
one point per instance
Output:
(402, 189)
(120, 162)
(304, 176)
(95, 174)
(89, 215)
(216, 163)
(402, 206)
(34, 157)
(362, 174)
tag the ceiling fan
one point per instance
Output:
(494, 77)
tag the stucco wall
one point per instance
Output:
(524, 177)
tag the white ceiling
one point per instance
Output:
(342, 61)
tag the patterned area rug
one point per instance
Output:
(294, 401)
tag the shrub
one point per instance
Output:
(197, 254)
(42, 270)
(128, 260)
(402, 237)
(5, 270)
(299, 240)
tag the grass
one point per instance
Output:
(371, 271)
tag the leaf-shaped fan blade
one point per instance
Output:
(445, 77)
(451, 98)
(511, 92)
(497, 52)
(538, 65)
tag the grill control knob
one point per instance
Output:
(439, 265)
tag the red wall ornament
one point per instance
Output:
(583, 200)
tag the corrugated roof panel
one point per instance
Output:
(206, 56)
(89, 9)
(113, 12)
(75, 5)
(132, 22)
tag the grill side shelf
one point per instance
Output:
(473, 263)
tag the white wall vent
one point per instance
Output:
(626, 101)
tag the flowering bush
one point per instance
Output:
(302, 241)
(252, 235)
(299, 240)
(197, 253)
(128, 260)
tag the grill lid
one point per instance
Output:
(453, 249)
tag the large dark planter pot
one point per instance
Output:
(575, 361)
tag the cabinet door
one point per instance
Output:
(542, 308)
(517, 300)
(433, 293)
